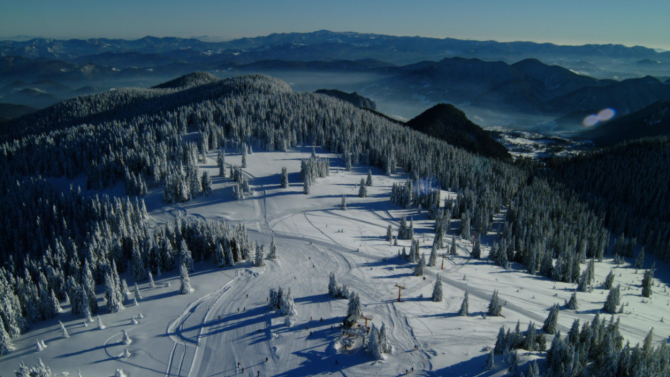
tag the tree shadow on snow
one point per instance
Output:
(470, 368)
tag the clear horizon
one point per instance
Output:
(566, 23)
(217, 39)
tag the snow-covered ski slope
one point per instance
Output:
(226, 321)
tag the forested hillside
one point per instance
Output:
(139, 138)
(628, 185)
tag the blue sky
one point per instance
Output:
(625, 22)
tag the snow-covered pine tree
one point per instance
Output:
(151, 280)
(432, 261)
(288, 305)
(464, 311)
(402, 229)
(452, 249)
(284, 177)
(113, 303)
(244, 156)
(420, 267)
(362, 189)
(490, 362)
(333, 288)
(125, 339)
(88, 285)
(530, 342)
(551, 323)
(501, 345)
(221, 163)
(610, 303)
(639, 261)
(206, 183)
(609, 280)
(6, 345)
(138, 265)
(272, 255)
(647, 283)
(354, 306)
(389, 233)
(228, 253)
(138, 296)
(437, 289)
(185, 256)
(465, 226)
(220, 255)
(101, 326)
(477, 248)
(495, 309)
(273, 299)
(573, 303)
(63, 330)
(373, 346)
(384, 342)
(368, 181)
(533, 370)
(259, 260)
(185, 287)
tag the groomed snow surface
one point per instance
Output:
(225, 321)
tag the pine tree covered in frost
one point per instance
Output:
(551, 323)
(611, 301)
(284, 177)
(125, 339)
(6, 345)
(259, 260)
(354, 307)
(185, 286)
(477, 248)
(465, 305)
(64, 333)
(647, 283)
(373, 346)
(437, 289)
(573, 303)
(490, 362)
(420, 267)
(221, 163)
(494, 308)
(362, 189)
(288, 305)
(272, 255)
(333, 289)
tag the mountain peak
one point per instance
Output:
(449, 123)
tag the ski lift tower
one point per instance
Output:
(400, 288)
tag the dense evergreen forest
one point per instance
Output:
(58, 245)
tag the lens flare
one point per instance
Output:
(590, 120)
(603, 116)
(606, 114)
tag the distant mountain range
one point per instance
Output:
(325, 45)
(507, 80)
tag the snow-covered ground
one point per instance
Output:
(226, 321)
